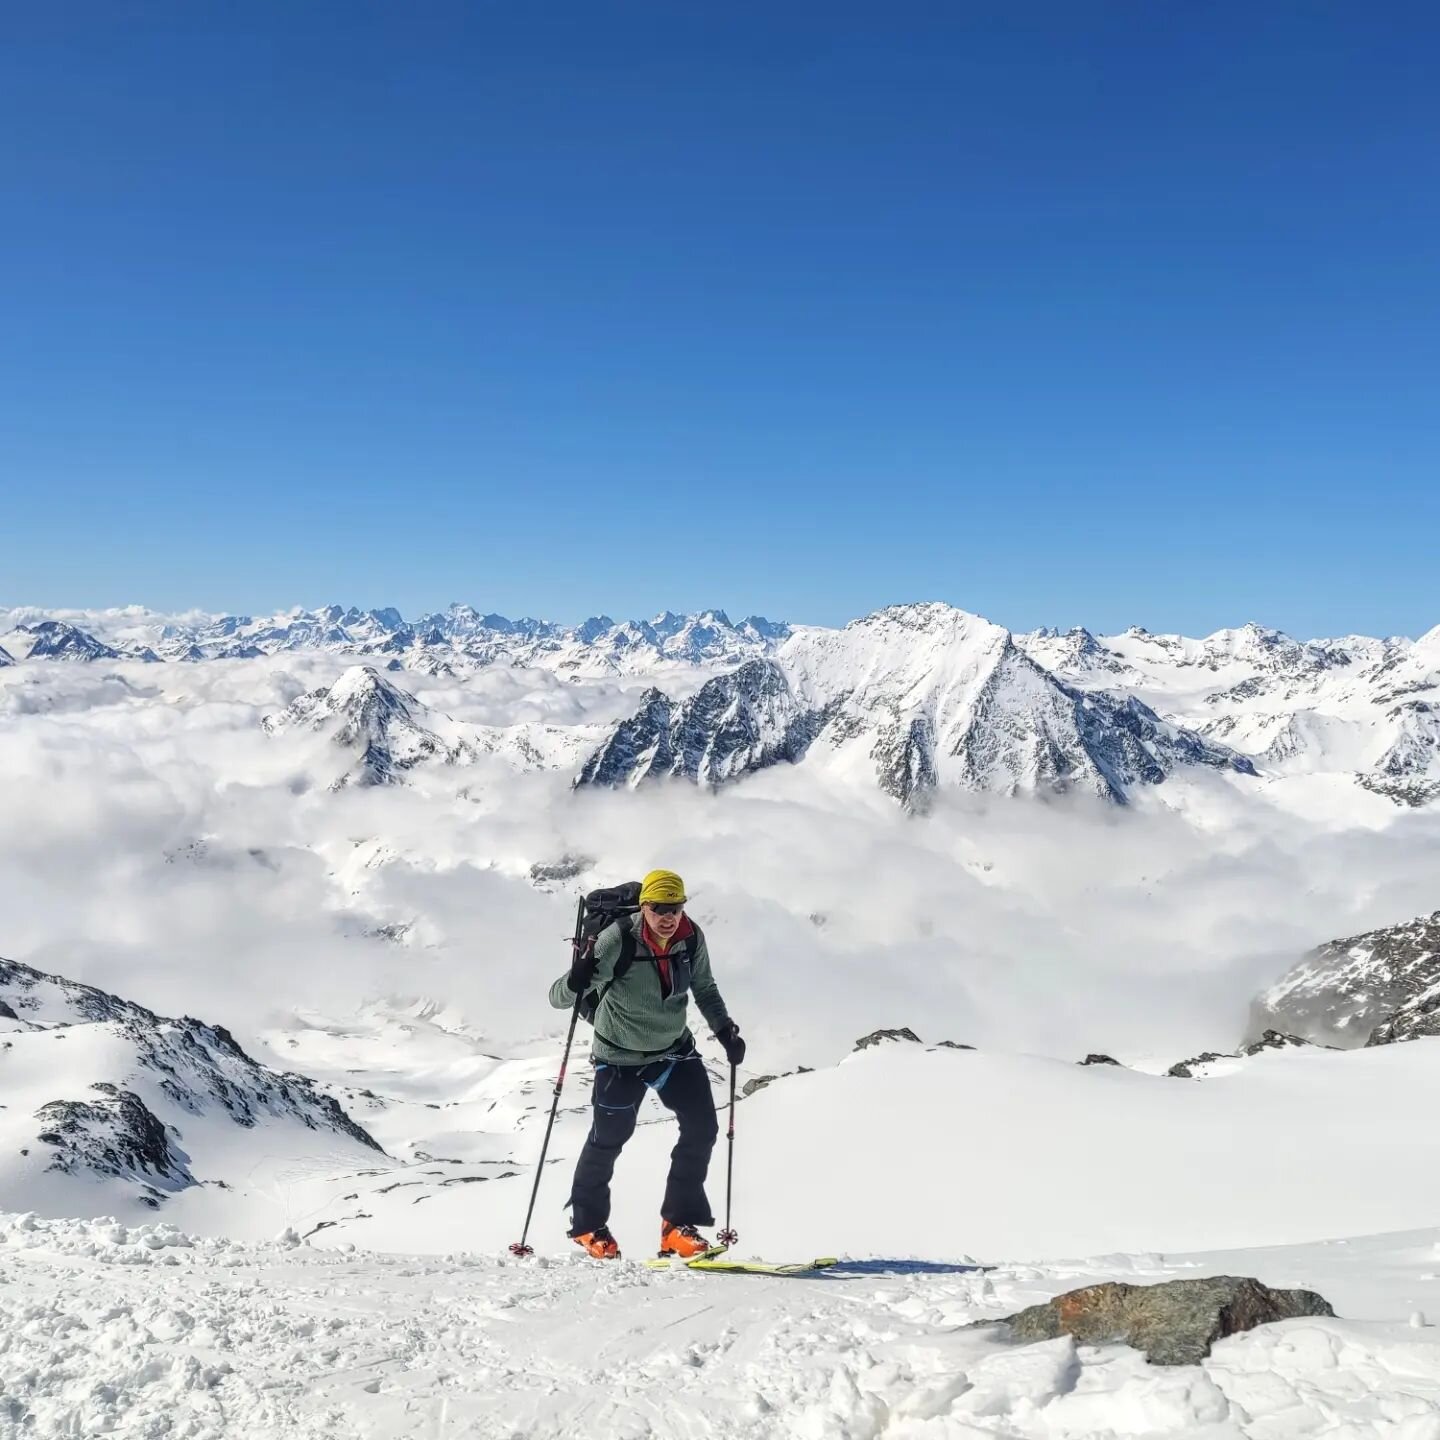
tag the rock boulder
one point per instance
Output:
(1173, 1323)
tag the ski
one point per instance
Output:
(747, 1267)
(667, 1262)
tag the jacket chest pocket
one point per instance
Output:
(679, 975)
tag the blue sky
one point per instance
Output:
(1063, 313)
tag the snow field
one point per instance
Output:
(145, 1332)
(902, 1150)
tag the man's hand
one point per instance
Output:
(582, 970)
(731, 1043)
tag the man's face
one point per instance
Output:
(664, 920)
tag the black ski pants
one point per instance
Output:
(683, 1087)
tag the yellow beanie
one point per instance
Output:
(662, 887)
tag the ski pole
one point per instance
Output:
(520, 1247)
(728, 1236)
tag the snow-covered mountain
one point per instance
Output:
(459, 635)
(391, 732)
(58, 640)
(889, 697)
(106, 1102)
(916, 697)
(1364, 709)
(1373, 988)
(387, 728)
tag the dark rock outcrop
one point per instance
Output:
(1269, 1040)
(879, 1037)
(1276, 1040)
(1344, 991)
(567, 867)
(761, 1081)
(1173, 1323)
(117, 1135)
(1185, 1069)
(1094, 1058)
(1414, 1020)
(733, 725)
(198, 1068)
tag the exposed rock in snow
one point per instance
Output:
(392, 730)
(5, 657)
(759, 1082)
(113, 1100)
(1213, 1062)
(567, 867)
(1417, 1018)
(1095, 1058)
(1173, 1323)
(116, 1136)
(735, 724)
(883, 1037)
(1343, 991)
(1185, 1069)
(1275, 1040)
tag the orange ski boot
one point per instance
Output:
(684, 1242)
(600, 1243)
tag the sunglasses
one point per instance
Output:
(667, 908)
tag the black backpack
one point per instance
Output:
(604, 908)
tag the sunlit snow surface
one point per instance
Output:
(144, 1331)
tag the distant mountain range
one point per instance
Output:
(459, 636)
(914, 698)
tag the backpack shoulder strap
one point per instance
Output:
(626, 958)
(623, 962)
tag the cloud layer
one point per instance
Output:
(155, 841)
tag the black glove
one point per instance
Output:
(582, 970)
(731, 1043)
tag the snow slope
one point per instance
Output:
(143, 1331)
(920, 1151)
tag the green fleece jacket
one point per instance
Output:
(635, 1022)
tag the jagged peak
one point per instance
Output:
(362, 682)
(924, 615)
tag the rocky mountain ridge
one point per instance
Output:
(98, 1088)
(919, 696)
(1368, 709)
(1370, 989)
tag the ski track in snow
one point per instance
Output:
(145, 1332)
